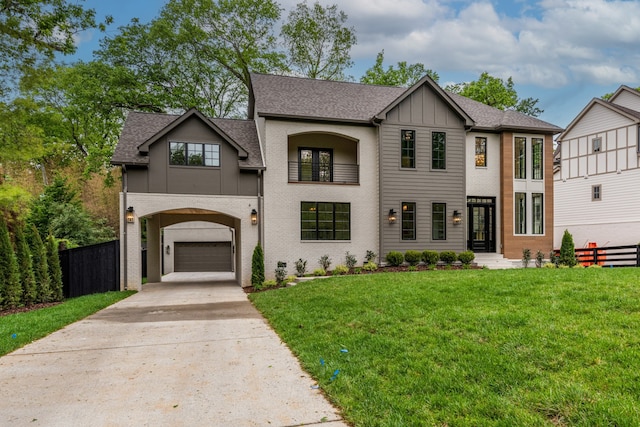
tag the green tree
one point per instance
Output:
(40, 265)
(55, 272)
(257, 266)
(318, 41)
(567, 250)
(405, 75)
(36, 29)
(496, 93)
(10, 289)
(25, 266)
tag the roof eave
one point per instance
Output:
(312, 118)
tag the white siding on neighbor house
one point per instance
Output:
(282, 234)
(629, 100)
(597, 119)
(614, 220)
(484, 181)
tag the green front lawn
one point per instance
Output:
(17, 330)
(470, 348)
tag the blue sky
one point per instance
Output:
(563, 52)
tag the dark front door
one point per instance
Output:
(482, 224)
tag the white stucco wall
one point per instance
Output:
(237, 208)
(282, 200)
(193, 231)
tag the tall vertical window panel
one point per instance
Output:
(481, 151)
(439, 221)
(538, 212)
(537, 158)
(408, 149)
(408, 221)
(520, 158)
(315, 165)
(520, 213)
(438, 150)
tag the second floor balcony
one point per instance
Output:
(324, 173)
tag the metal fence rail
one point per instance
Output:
(609, 256)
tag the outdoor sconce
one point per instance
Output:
(254, 217)
(457, 217)
(130, 217)
(392, 216)
(168, 250)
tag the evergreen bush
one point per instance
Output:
(40, 265)
(394, 258)
(257, 266)
(55, 272)
(567, 250)
(412, 257)
(430, 257)
(10, 289)
(25, 267)
(466, 257)
(448, 257)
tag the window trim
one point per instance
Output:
(443, 221)
(204, 157)
(317, 230)
(406, 219)
(483, 140)
(411, 151)
(441, 160)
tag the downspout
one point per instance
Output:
(260, 214)
(376, 123)
(124, 224)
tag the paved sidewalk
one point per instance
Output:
(175, 354)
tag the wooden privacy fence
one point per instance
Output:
(609, 256)
(90, 269)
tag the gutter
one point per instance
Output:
(376, 121)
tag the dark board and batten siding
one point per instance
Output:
(425, 112)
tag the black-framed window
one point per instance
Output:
(596, 193)
(538, 213)
(520, 158)
(438, 150)
(520, 213)
(194, 154)
(537, 157)
(315, 164)
(325, 221)
(408, 150)
(408, 221)
(439, 221)
(481, 151)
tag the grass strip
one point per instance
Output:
(537, 347)
(20, 329)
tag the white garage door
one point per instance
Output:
(203, 256)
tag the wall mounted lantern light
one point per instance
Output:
(130, 217)
(392, 216)
(254, 216)
(457, 217)
(168, 250)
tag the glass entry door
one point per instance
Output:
(482, 224)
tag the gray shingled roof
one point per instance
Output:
(140, 127)
(296, 97)
(490, 118)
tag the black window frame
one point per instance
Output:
(317, 168)
(438, 151)
(407, 149)
(186, 156)
(482, 153)
(408, 221)
(316, 216)
(438, 217)
(520, 213)
(537, 158)
(537, 222)
(520, 157)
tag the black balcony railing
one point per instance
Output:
(337, 174)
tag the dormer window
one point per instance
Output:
(194, 154)
(596, 145)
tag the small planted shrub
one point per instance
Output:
(595, 266)
(567, 250)
(301, 267)
(526, 257)
(319, 272)
(370, 266)
(370, 256)
(395, 258)
(466, 257)
(291, 279)
(340, 270)
(270, 284)
(553, 258)
(430, 257)
(350, 260)
(448, 257)
(539, 259)
(325, 262)
(412, 257)
(281, 273)
(549, 265)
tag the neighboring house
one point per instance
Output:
(597, 198)
(334, 167)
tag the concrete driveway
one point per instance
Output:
(174, 354)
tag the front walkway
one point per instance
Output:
(174, 354)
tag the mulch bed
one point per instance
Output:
(25, 309)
